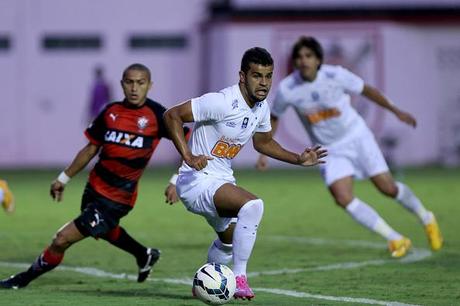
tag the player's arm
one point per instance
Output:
(175, 118)
(83, 157)
(262, 161)
(376, 96)
(265, 144)
(170, 193)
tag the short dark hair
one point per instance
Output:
(256, 55)
(137, 66)
(310, 43)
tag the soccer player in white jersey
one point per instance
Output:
(224, 122)
(320, 96)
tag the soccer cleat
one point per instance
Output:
(8, 198)
(145, 266)
(243, 291)
(434, 234)
(17, 281)
(399, 247)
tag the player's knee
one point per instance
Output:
(253, 209)
(343, 200)
(60, 241)
(389, 189)
(113, 234)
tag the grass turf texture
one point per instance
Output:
(296, 205)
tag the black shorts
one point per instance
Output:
(99, 215)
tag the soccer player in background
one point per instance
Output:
(6, 197)
(224, 122)
(320, 96)
(124, 135)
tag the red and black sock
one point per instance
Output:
(121, 239)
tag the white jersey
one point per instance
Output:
(323, 105)
(224, 123)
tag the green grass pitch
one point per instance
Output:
(311, 252)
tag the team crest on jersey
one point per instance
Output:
(142, 122)
(245, 123)
(235, 104)
(315, 96)
(123, 138)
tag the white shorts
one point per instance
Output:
(196, 190)
(359, 157)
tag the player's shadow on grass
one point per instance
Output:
(148, 293)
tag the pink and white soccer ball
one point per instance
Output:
(214, 284)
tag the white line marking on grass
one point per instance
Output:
(415, 255)
(330, 298)
(188, 281)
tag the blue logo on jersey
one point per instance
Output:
(235, 104)
(315, 96)
(245, 123)
(330, 75)
(230, 124)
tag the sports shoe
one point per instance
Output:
(17, 281)
(8, 198)
(243, 291)
(145, 266)
(399, 247)
(434, 234)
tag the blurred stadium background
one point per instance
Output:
(409, 49)
(49, 49)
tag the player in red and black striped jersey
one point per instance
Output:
(125, 135)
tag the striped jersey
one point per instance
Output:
(128, 136)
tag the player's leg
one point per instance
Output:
(364, 214)
(404, 196)
(49, 259)
(100, 218)
(233, 201)
(145, 257)
(6, 197)
(221, 249)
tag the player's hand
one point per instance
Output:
(262, 163)
(198, 162)
(313, 156)
(57, 190)
(171, 194)
(407, 118)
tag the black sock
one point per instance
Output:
(45, 262)
(128, 244)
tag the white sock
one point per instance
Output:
(1, 195)
(368, 217)
(245, 234)
(220, 252)
(410, 201)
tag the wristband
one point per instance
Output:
(63, 178)
(173, 179)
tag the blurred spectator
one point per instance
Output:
(100, 94)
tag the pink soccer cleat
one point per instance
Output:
(243, 291)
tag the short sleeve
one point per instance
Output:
(280, 104)
(264, 124)
(209, 107)
(95, 131)
(350, 81)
